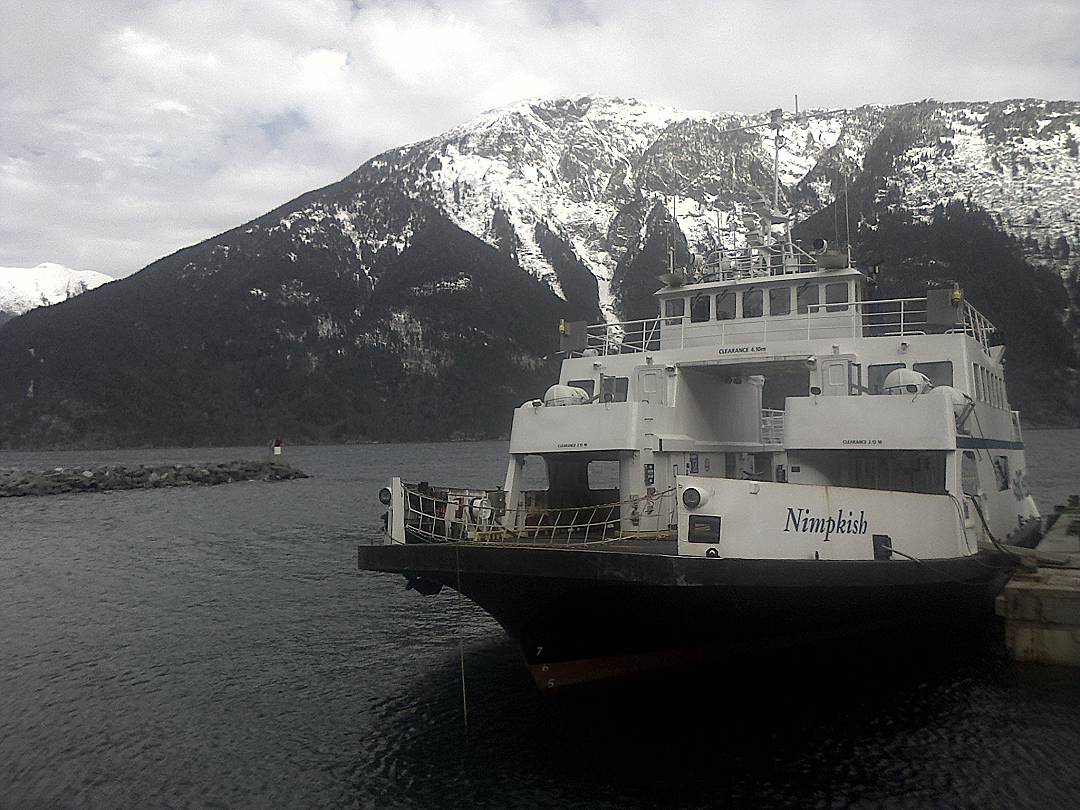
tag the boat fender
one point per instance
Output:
(480, 510)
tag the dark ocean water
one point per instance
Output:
(216, 647)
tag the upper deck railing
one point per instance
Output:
(855, 319)
(773, 259)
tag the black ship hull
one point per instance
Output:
(583, 615)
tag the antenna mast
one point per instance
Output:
(673, 234)
(847, 219)
(775, 117)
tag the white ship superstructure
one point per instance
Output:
(773, 451)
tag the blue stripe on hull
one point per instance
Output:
(968, 443)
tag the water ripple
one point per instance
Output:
(216, 647)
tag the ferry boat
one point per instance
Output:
(774, 458)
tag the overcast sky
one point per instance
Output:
(131, 128)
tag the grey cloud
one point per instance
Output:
(128, 129)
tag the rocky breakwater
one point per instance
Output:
(61, 480)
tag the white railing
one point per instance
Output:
(445, 515)
(888, 318)
(855, 319)
(772, 426)
(628, 337)
(977, 325)
(757, 261)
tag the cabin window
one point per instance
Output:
(699, 308)
(704, 529)
(978, 381)
(836, 294)
(780, 301)
(725, 306)
(753, 303)
(535, 474)
(614, 389)
(969, 473)
(604, 475)
(674, 307)
(806, 297)
(1001, 472)
(586, 385)
(940, 373)
(876, 376)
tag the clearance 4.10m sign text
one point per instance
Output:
(727, 350)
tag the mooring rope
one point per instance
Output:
(461, 655)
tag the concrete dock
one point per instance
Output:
(1041, 606)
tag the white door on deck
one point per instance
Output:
(835, 377)
(651, 390)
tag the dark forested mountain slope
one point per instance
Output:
(419, 296)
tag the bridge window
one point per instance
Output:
(877, 374)
(699, 308)
(836, 294)
(752, 304)
(940, 373)
(614, 389)
(978, 381)
(674, 307)
(586, 385)
(806, 297)
(725, 306)
(780, 301)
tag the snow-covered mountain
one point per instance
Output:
(23, 288)
(586, 174)
(591, 170)
(418, 297)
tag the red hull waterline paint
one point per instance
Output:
(562, 675)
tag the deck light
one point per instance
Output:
(691, 498)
